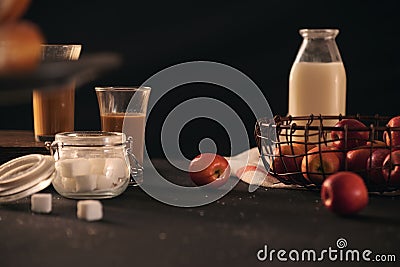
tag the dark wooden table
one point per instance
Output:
(140, 231)
(19, 143)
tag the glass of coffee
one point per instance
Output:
(53, 108)
(123, 109)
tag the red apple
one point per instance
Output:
(344, 193)
(357, 134)
(374, 166)
(394, 140)
(209, 168)
(377, 144)
(391, 169)
(340, 154)
(357, 160)
(319, 164)
(287, 163)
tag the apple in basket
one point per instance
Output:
(391, 169)
(287, 162)
(394, 140)
(356, 136)
(319, 163)
(377, 144)
(357, 160)
(340, 154)
(344, 193)
(375, 166)
(209, 168)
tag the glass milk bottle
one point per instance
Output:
(317, 82)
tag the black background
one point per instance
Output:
(259, 38)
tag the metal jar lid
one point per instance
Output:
(24, 176)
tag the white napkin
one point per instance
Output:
(248, 167)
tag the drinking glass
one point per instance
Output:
(53, 108)
(123, 109)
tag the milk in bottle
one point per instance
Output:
(317, 81)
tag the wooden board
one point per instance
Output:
(18, 143)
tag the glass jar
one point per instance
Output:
(317, 82)
(90, 164)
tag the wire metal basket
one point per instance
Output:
(287, 144)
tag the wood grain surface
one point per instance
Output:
(19, 143)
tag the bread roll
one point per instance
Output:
(19, 47)
(11, 10)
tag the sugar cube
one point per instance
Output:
(104, 182)
(69, 184)
(74, 167)
(85, 183)
(97, 165)
(115, 168)
(90, 210)
(41, 203)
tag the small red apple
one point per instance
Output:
(391, 169)
(209, 168)
(319, 164)
(357, 160)
(287, 162)
(344, 193)
(374, 166)
(357, 134)
(367, 161)
(377, 144)
(340, 154)
(394, 140)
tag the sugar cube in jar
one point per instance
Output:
(91, 164)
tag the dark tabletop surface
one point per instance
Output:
(139, 231)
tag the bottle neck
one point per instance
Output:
(319, 33)
(318, 49)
